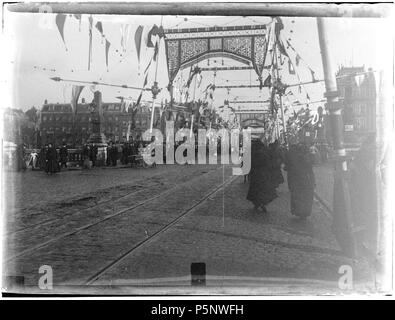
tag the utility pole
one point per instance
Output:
(342, 215)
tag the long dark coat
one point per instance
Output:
(262, 188)
(52, 160)
(301, 181)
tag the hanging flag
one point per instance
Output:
(75, 94)
(313, 79)
(307, 96)
(99, 27)
(278, 26)
(139, 98)
(145, 80)
(90, 42)
(137, 40)
(153, 32)
(268, 81)
(108, 44)
(60, 21)
(300, 89)
(148, 65)
(124, 34)
(199, 79)
(281, 48)
(297, 59)
(156, 51)
(79, 18)
(291, 69)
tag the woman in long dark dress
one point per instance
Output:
(301, 181)
(52, 160)
(262, 189)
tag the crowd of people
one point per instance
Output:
(51, 159)
(267, 161)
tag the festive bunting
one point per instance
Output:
(108, 44)
(145, 80)
(268, 81)
(99, 27)
(137, 39)
(90, 42)
(79, 18)
(124, 36)
(297, 59)
(156, 51)
(281, 48)
(75, 94)
(60, 21)
(290, 67)
(149, 64)
(153, 32)
(313, 79)
(139, 98)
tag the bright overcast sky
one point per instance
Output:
(34, 40)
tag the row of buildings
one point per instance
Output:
(58, 123)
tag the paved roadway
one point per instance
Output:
(139, 227)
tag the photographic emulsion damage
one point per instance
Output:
(197, 148)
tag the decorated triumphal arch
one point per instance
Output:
(245, 44)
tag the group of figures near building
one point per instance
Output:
(266, 175)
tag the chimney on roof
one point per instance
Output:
(45, 101)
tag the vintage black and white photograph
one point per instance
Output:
(168, 148)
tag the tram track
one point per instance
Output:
(101, 220)
(155, 235)
(96, 205)
(48, 221)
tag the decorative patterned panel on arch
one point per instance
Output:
(193, 48)
(260, 46)
(238, 45)
(173, 61)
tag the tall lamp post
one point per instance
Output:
(342, 216)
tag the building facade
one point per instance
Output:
(357, 89)
(59, 125)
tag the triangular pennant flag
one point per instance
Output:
(99, 27)
(153, 32)
(75, 94)
(60, 21)
(290, 67)
(108, 44)
(146, 69)
(137, 40)
(313, 79)
(145, 80)
(268, 81)
(297, 59)
(156, 51)
(139, 98)
(281, 48)
(161, 32)
(79, 18)
(90, 42)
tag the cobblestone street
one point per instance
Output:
(144, 227)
